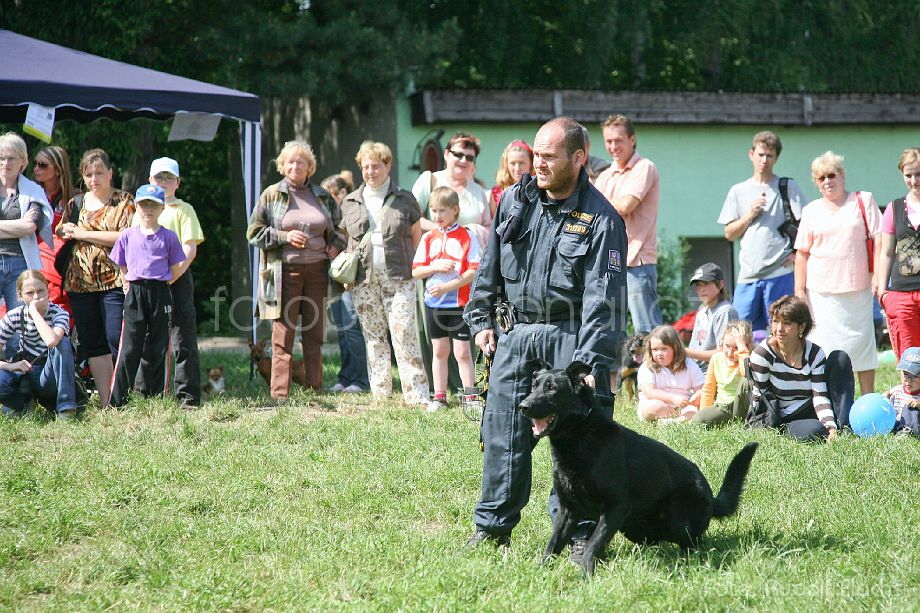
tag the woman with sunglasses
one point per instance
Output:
(832, 267)
(24, 214)
(459, 175)
(475, 213)
(517, 158)
(51, 170)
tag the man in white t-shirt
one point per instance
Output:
(754, 211)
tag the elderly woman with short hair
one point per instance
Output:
(384, 291)
(832, 267)
(294, 226)
(24, 213)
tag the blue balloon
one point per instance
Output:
(872, 414)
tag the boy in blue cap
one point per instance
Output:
(149, 256)
(906, 397)
(180, 217)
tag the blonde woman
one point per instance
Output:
(832, 267)
(384, 291)
(294, 226)
(517, 158)
(24, 215)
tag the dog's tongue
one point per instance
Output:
(540, 426)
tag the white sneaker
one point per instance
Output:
(436, 405)
(338, 387)
(353, 389)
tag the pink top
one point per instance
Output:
(640, 180)
(304, 214)
(835, 239)
(913, 215)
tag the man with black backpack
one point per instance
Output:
(763, 212)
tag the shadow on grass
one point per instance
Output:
(722, 551)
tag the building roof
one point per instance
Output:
(508, 105)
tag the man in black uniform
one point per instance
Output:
(556, 253)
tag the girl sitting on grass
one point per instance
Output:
(45, 357)
(727, 391)
(669, 381)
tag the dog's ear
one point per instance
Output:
(538, 364)
(577, 371)
(251, 346)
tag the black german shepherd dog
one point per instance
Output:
(631, 483)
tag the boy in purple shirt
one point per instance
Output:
(149, 257)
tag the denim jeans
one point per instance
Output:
(52, 382)
(753, 300)
(352, 352)
(642, 297)
(11, 267)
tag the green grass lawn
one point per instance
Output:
(335, 503)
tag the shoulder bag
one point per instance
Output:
(764, 413)
(62, 257)
(790, 226)
(870, 242)
(344, 268)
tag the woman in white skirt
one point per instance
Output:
(832, 267)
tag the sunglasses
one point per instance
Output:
(462, 156)
(39, 164)
(830, 175)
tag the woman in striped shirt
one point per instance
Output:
(814, 392)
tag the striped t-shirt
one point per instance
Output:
(31, 341)
(793, 387)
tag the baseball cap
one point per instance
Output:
(164, 165)
(910, 361)
(153, 193)
(708, 273)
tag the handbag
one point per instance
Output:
(764, 413)
(870, 242)
(344, 267)
(790, 226)
(62, 257)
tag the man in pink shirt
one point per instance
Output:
(631, 186)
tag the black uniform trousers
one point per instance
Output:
(144, 334)
(507, 434)
(183, 336)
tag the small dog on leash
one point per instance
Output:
(214, 384)
(263, 361)
(630, 361)
(632, 483)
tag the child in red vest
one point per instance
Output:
(447, 258)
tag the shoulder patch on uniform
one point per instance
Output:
(580, 216)
(613, 260)
(575, 228)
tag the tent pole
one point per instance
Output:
(251, 145)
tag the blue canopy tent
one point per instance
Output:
(83, 87)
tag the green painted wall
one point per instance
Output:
(698, 164)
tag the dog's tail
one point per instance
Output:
(726, 503)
